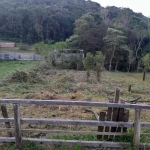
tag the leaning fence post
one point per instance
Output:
(137, 128)
(5, 115)
(17, 126)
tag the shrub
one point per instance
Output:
(21, 76)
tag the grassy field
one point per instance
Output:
(70, 85)
(7, 67)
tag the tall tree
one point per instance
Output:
(115, 40)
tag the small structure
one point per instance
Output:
(7, 44)
(68, 53)
(19, 56)
(9, 56)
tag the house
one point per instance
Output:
(7, 44)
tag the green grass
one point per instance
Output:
(6, 67)
(74, 137)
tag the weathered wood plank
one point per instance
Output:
(102, 116)
(74, 142)
(17, 126)
(137, 129)
(117, 94)
(86, 143)
(75, 132)
(5, 115)
(82, 143)
(115, 110)
(109, 115)
(75, 122)
(72, 132)
(6, 119)
(125, 119)
(74, 103)
(7, 139)
(120, 116)
(69, 132)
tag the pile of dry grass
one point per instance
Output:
(22, 76)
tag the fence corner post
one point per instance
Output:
(137, 129)
(18, 137)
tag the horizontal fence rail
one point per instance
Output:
(17, 120)
(75, 122)
(73, 103)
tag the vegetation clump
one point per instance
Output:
(22, 76)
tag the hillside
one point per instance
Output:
(119, 33)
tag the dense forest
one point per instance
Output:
(119, 33)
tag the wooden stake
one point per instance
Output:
(137, 129)
(17, 126)
(109, 114)
(116, 98)
(101, 128)
(125, 119)
(115, 110)
(5, 115)
(129, 88)
(120, 116)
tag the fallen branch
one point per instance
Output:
(90, 110)
(133, 101)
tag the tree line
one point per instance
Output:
(119, 33)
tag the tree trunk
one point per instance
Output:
(87, 75)
(116, 65)
(144, 73)
(129, 67)
(138, 66)
(77, 66)
(110, 62)
(98, 76)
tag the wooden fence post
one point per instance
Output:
(115, 110)
(129, 88)
(120, 116)
(5, 115)
(109, 114)
(137, 129)
(117, 94)
(17, 126)
(101, 128)
(125, 119)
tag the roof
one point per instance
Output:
(7, 44)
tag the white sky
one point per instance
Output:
(142, 6)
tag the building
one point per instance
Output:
(7, 44)
(69, 53)
(9, 56)
(19, 56)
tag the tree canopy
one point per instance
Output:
(119, 33)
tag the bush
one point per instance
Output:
(21, 76)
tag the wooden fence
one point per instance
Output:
(17, 120)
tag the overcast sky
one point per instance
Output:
(136, 5)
